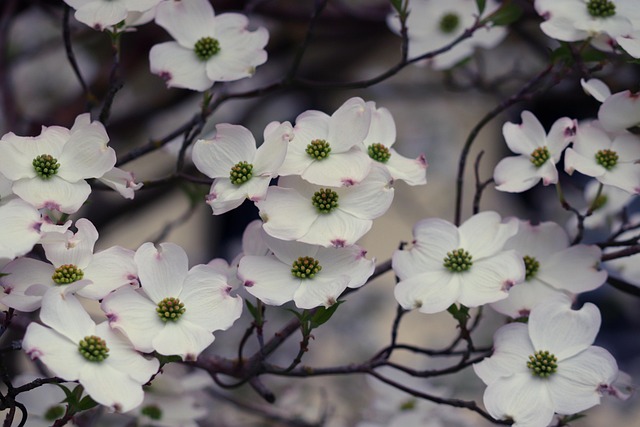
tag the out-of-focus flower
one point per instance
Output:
(538, 153)
(620, 111)
(433, 24)
(208, 48)
(50, 170)
(177, 310)
(546, 366)
(100, 14)
(465, 265)
(240, 171)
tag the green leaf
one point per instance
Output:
(87, 403)
(562, 54)
(252, 309)
(323, 314)
(461, 314)
(397, 5)
(507, 14)
(167, 359)
(481, 5)
(592, 55)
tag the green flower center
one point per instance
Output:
(542, 364)
(93, 348)
(170, 309)
(379, 153)
(305, 267)
(318, 149)
(53, 413)
(325, 200)
(539, 156)
(67, 273)
(601, 8)
(449, 23)
(531, 266)
(607, 159)
(458, 261)
(241, 173)
(206, 47)
(152, 411)
(45, 166)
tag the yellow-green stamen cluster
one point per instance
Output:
(601, 8)
(241, 172)
(449, 23)
(305, 267)
(607, 158)
(531, 266)
(206, 47)
(318, 149)
(152, 411)
(542, 364)
(539, 156)
(170, 308)
(458, 261)
(93, 348)
(379, 153)
(45, 166)
(53, 413)
(325, 200)
(67, 273)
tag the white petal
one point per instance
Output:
(411, 171)
(109, 270)
(524, 296)
(77, 249)
(16, 156)
(161, 270)
(382, 129)
(349, 261)
(20, 229)
(288, 251)
(525, 137)
(573, 269)
(630, 43)
(596, 88)
(111, 387)
(64, 313)
(339, 169)
(54, 193)
(100, 14)
(207, 300)
(517, 174)
(179, 67)
(232, 144)
(239, 55)
(182, 338)
(122, 181)
(541, 241)
(59, 354)
(268, 279)
(562, 132)
(485, 234)
(86, 154)
(225, 196)
(556, 328)
(369, 199)
(585, 165)
(316, 292)
(349, 125)
(286, 214)
(26, 281)
(430, 292)
(511, 350)
(489, 279)
(272, 152)
(336, 229)
(188, 21)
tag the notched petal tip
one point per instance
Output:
(35, 353)
(339, 243)
(249, 283)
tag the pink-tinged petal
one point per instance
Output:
(272, 152)
(540, 241)
(511, 350)
(490, 279)
(574, 269)
(21, 228)
(596, 88)
(207, 300)
(124, 358)
(133, 315)
(187, 21)
(182, 338)
(521, 398)
(517, 174)
(232, 144)
(286, 214)
(111, 387)
(318, 292)
(630, 43)
(268, 279)
(524, 296)
(59, 354)
(371, 198)
(556, 328)
(179, 67)
(485, 234)
(64, 313)
(122, 181)
(620, 111)
(225, 196)
(339, 169)
(575, 386)
(100, 14)
(625, 176)
(77, 249)
(53, 193)
(430, 292)
(84, 157)
(525, 137)
(349, 261)
(109, 270)
(585, 165)
(16, 155)
(382, 129)
(336, 229)
(411, 171)
(627, 146)
(26, 281)
(349, 125)
(161, 270)
(562, 133)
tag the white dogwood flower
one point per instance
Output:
(100, 14)
(207, 48)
